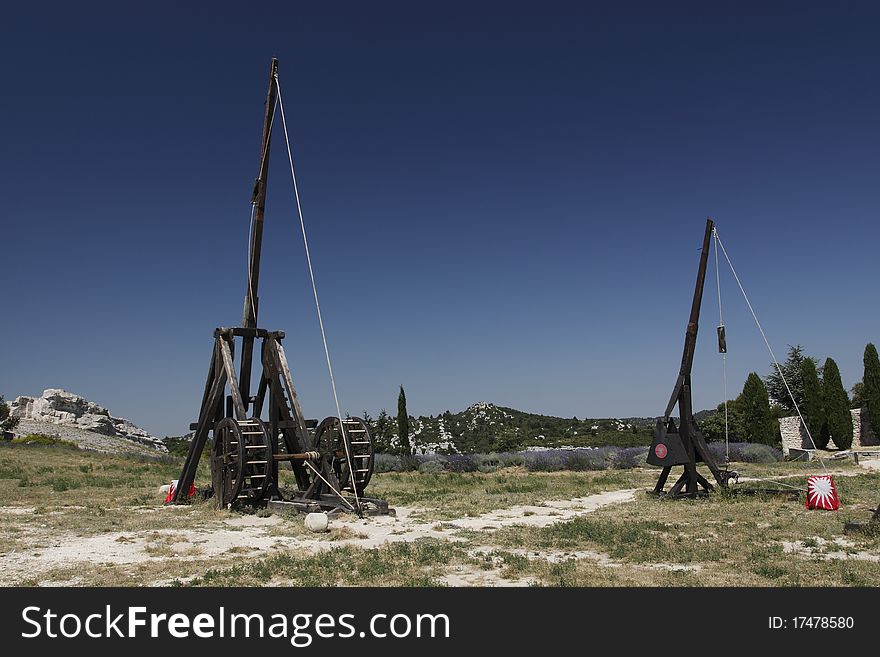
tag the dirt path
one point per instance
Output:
(260, 535)
(836, 549)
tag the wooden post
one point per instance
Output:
(251, 299)
(691, 439)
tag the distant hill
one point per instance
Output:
(485, 427)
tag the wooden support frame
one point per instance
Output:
(290, 438)
(245, 458)
(685, 445)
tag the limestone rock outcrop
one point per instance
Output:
(68, 409)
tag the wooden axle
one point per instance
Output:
(304, 456)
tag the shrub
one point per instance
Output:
(555, 460)
(434, 466)
(384, 462)
(461, 463)
(549, 461)
(577, 460)
(746, 452)
(42, 439)
(494, 461)
(630, 457)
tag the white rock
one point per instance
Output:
(65, 408)
(317, 522)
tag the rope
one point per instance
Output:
(723, 355)
(779, 483)
(770, 349)
(338, 494)
(318, 305)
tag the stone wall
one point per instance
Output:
(795, 437)
(862, 434)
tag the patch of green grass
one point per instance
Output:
(9, 469)
(43, 440)
(453, 495)
(394, 564)
(730, 539)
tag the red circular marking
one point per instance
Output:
(661, 451)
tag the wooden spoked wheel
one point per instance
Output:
(329, 442)
(257, 472)
(226, 464)
(241, 461)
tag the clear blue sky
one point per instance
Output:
(505, 201)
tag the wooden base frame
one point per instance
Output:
(685, 446)
(247, 450)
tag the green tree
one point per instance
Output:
(791, 368)
(839, 427)
(812, 409)
(856, 396)
(871, 387)
(7, 422)
(382, 431)
(713, 425)
(754, 404)
(403, 424)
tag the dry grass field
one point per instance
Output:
(72, 517)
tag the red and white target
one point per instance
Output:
(821, 493)
(173, 489)
(661, 451)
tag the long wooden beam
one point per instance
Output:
(251, 299)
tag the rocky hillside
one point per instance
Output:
(484, 427)
(72, 417)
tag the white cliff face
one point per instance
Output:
(68, 409)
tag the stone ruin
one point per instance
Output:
(794, 437)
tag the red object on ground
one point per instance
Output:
(173, 488)
(821, 493)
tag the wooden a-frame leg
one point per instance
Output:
(661, 481)
(704, 483)
(682, 480)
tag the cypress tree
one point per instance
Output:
(836, 403)
(813, 410)
(871, 387)
(754, 404)
(403, 424)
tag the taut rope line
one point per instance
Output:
(723, 354)
(770, 349)
(318, 306)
